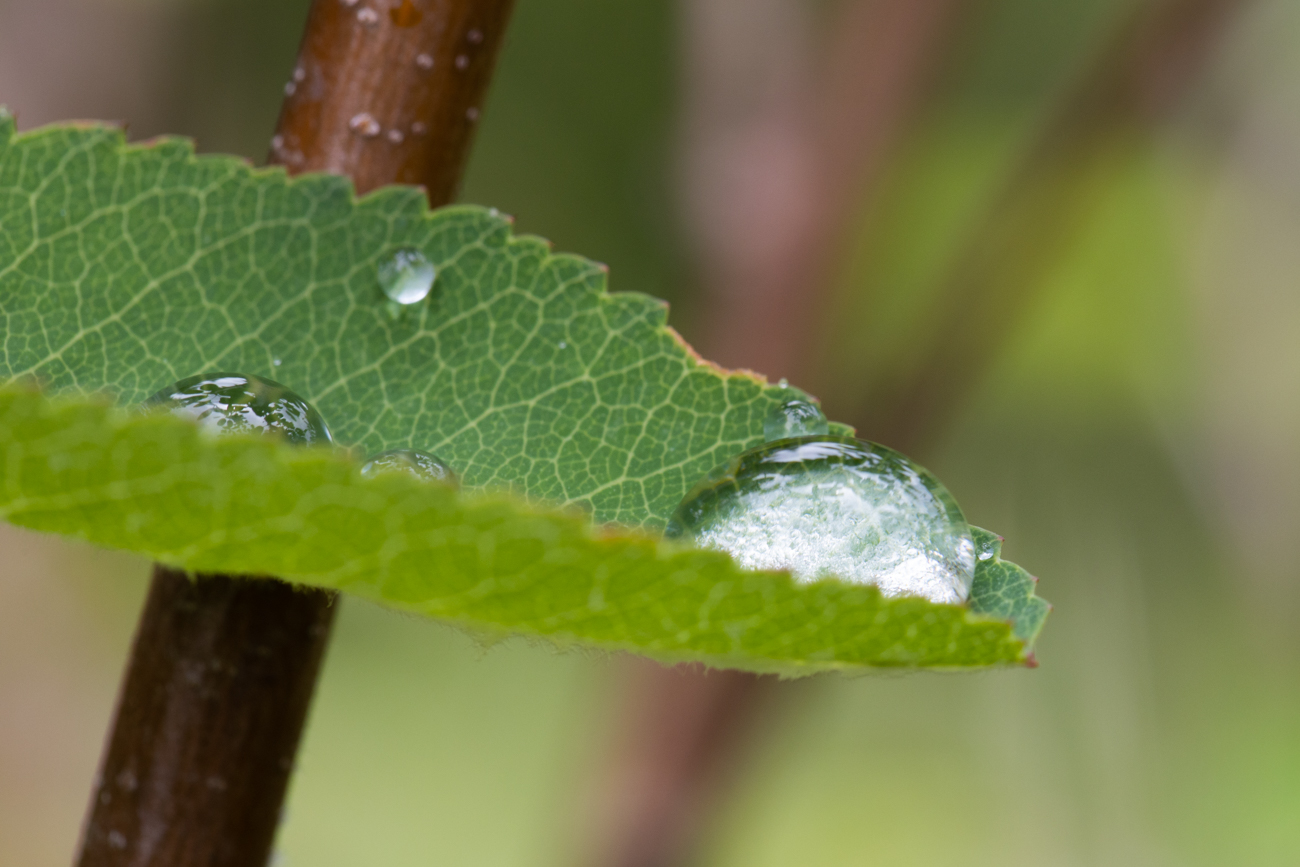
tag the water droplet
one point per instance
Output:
(987, 546)
(276, 362)
(299, 74)
(784, 383)
(475, 36)
(424, 61)
(407, 276)
(396, 136)
(230, 402)
(368, 16)
(462, 61)
(364, 124)
(290, 88)
(116, 840)
(421, 465)
(419, 128)
(834, 506)
(794, 418)
(277, 142)
(563, 345)
(471, 114)
(349, 3)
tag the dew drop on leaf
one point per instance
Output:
(422, 465)
(235, 402)
(794, 418)
(407, 276)
(823, 506)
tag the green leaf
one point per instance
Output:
(156, 484)
(124, 268)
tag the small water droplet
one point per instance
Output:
(422, 465)
(116, 840)
(419, 128)
(493, 212)
(349, 3)
(276, 362)
(987, 546)
(368, 16)
(396, 136)
(424, 61)
(277, 142)
(834, 506)
(299, 73)
(407, 276)
(783, 383)
(290, 88)
(471, 114)
(462, 61)
(563, 345)
(234, 402)
(794, 418)
(475, 36)
(364, 125)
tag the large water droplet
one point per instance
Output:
(834, 506)
(794, 418)
(230, 402)
(407, 276)
(422, 465)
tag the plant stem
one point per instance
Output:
(223, 668)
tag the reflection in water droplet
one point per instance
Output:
(229, 402)
(987, 547)
(422, 465)
(794, 418)
(364, 124)
(834, 506)
(407, 276)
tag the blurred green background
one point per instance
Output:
(1133, 432)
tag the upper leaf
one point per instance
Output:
(125, 268)
(129, 267)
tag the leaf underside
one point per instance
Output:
(124, 268)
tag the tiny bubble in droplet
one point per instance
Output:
(475, 36)
(396, 136)
(419, 128)
(424, 61)
(368, 16)
(462, 61)
(471, 114)
(364, 124)
(299, 74)
(290, 88)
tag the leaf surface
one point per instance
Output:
(156, 484)
(124, 268)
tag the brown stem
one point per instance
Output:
(208, 721)
(223, 668)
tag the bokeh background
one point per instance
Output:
(1052, 249)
